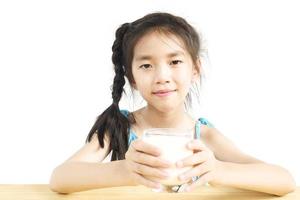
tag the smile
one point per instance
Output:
(164, 94)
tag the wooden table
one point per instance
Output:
(42, 192)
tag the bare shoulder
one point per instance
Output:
(91, 151)
(223, 148)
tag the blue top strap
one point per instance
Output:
(125, 112)
(202, 121)
(206, 122)
(132, 135)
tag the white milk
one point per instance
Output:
(173, 143)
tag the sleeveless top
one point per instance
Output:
(201, 121)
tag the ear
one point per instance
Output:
(133, 84)
(196, 71)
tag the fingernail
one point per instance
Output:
(179, 164)
(181, 177)
(158, 186)
(187, 189)
(157, 152)
(166, 174)
(167, 164)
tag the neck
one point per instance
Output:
(176, 118)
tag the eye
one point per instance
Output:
(175, 62)
(146, 66)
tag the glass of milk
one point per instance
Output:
(173, 144)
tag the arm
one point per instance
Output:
(79, 176)
(83, 171)
(261, 177)
(236, 169)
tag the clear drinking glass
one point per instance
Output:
(173, 144)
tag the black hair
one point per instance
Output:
(112, 122)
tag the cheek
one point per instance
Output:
(184, 78)
(142, 83)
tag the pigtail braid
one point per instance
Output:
(112, 121)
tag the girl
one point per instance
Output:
(159, 55)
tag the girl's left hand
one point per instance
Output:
(203, 163)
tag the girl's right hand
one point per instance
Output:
(143, 163)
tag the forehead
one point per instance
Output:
(159, 44)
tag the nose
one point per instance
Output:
(162, 74)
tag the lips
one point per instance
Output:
(163, 91)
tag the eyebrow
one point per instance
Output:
(170, 55)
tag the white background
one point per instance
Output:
(56, 73)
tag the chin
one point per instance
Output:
(166, 108)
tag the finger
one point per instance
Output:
(196, 145)
(142, 146)
(199, 170)
(146, 182)
(194, 159)
(183, 186)
(149, 171)
(201, 181)
(149, 160)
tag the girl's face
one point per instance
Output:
(161, 62)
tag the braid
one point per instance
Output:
(118, 84)
(118, 61)
(117, 48)
(112, 121)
